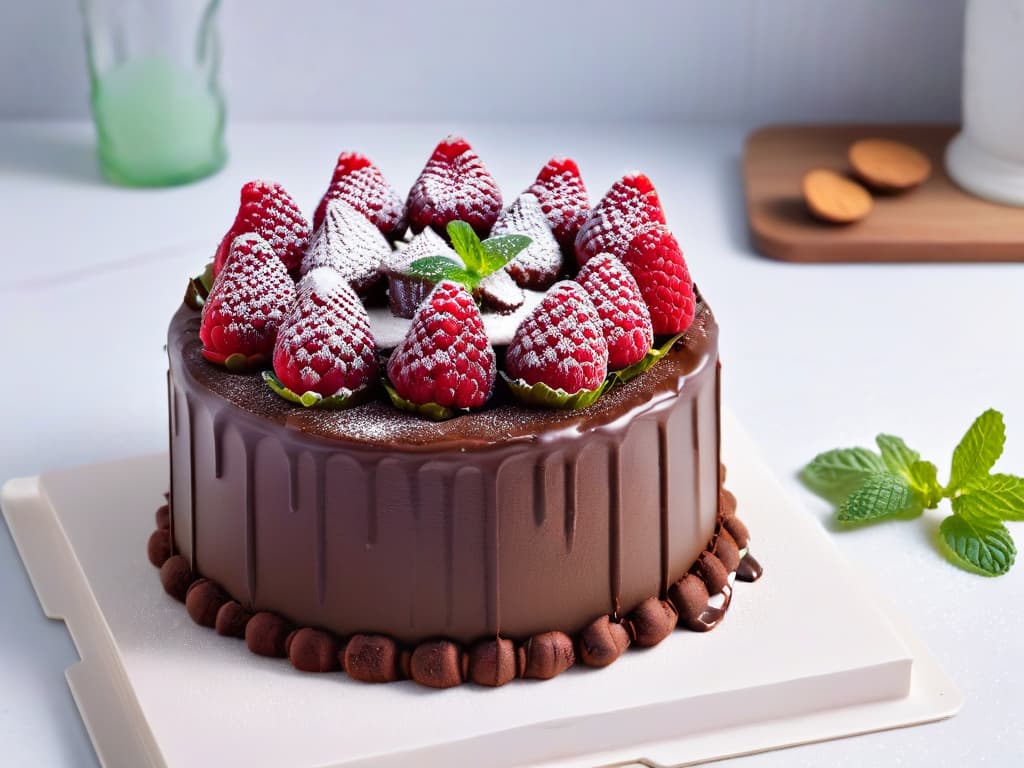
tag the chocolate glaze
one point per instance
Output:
(507, 522)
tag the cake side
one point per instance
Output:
(429, 529)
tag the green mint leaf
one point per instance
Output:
(980, 545)
(835, 474)
(979, 449)
(431, 411)
(501, 249)
(923, 477)
(540, 395)
(438, 268)
(993, 497)
(336, 402)
(467, 245)
(882, 495)
(896, 455)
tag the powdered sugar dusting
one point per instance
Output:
(362, 185)
(563, 198)
(499, 292)
(248, 300)
(389, 330)
(630, 206)
(445, 358)
(426, 243)
(625, 319)
(324, 344)
(454, 184)
(349, 244)
(561, 342)
(269, 211)
(537, 266)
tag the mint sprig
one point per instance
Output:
(896, 483)
(480, 258)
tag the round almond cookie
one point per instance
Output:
(888, 166)
(834, 198)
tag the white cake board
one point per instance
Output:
(805, 654)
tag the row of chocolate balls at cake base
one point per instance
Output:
(443, 663)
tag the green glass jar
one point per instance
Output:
(156, 100)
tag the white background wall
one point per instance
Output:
(535, 59)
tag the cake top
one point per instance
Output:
(549, 302)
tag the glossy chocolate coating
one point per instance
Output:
(507, 522)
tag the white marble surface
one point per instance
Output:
(814, 357)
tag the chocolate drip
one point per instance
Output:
(749, 569)
(570, 504)
(663, 481)
(695, 455)
(540, 492)
(320, 556)
(293, 480)
(250, 518)
(371, 505)
(448, 512)
(190, 412)
(492, 550)
(218, 444)
(172, 432)
(614, 527)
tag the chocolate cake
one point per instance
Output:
(384, 502)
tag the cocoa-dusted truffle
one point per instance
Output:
(547, 654)
(203, 601)
(492, 662)
(158, 548)
(690, 597)
(175, 576)
(602, 642)
(651, 622)
(163, 518)
(437, 664)
(231, 619)
(727, 551)
(265, 634)
(714, 573)
(726, 503)
(737, 530)
(312, 650)
(371, 658)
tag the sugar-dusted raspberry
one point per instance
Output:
(247, 303)
(629, 207)
(271, 213)
(625, 319)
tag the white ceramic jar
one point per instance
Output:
(987, 157)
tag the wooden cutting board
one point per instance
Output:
(935, 222)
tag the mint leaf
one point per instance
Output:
(540, 395)
(994, 497)
(834, 474)
(438, 268)
(644, 364)
(979, 449)
(923, 477)
(982, 546)
(501, 249)
(896, 455)
(882, 495)
(468, 246)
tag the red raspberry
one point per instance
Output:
(361, 184)
(324, 344)
(454, 184)
(270, 212)
(445, 358)
(563, 198)
(560, 343)
(538, 265)
(625, 319)
(350, 245)
(656, 261)
(247, 303)
(630, 206)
